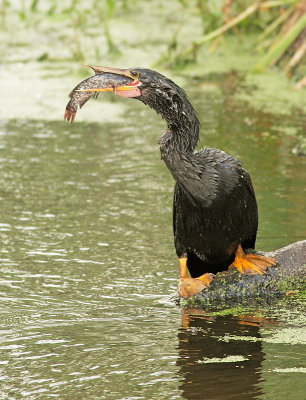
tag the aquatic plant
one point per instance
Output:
(74, 20)
(282, 24)
(280, 27)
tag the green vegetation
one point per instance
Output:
(279, 25)
(226, 359)
(182, 38)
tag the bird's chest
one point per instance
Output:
(192, 221)
(198, 227)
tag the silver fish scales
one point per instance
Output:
(78, 97)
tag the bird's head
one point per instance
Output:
(151, 87)
(158, 92)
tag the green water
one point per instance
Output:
(88, 261)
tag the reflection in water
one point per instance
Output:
(213, 367)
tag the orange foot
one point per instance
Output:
(188, 287)
(251, 263)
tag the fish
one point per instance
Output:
(79, 96)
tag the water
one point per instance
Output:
(88, 262)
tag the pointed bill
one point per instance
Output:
(128, 90)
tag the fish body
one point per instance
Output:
(79, 96)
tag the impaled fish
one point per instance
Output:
(103, 80)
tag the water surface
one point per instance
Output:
(88, 262)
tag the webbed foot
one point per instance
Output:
(189, 287)
(251, 263)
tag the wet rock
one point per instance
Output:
(289, 276)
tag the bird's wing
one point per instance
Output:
(208, 175)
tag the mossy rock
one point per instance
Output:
(288, 276)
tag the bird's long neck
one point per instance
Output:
(183, 125)
(182, 134)
(177, 145)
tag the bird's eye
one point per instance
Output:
(134, 74)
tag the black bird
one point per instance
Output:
(214, 208)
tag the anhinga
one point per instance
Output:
(214, 208)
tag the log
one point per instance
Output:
(287, 277)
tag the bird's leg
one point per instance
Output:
(251, 263)
(188, 287)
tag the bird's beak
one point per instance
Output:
(129, 90)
